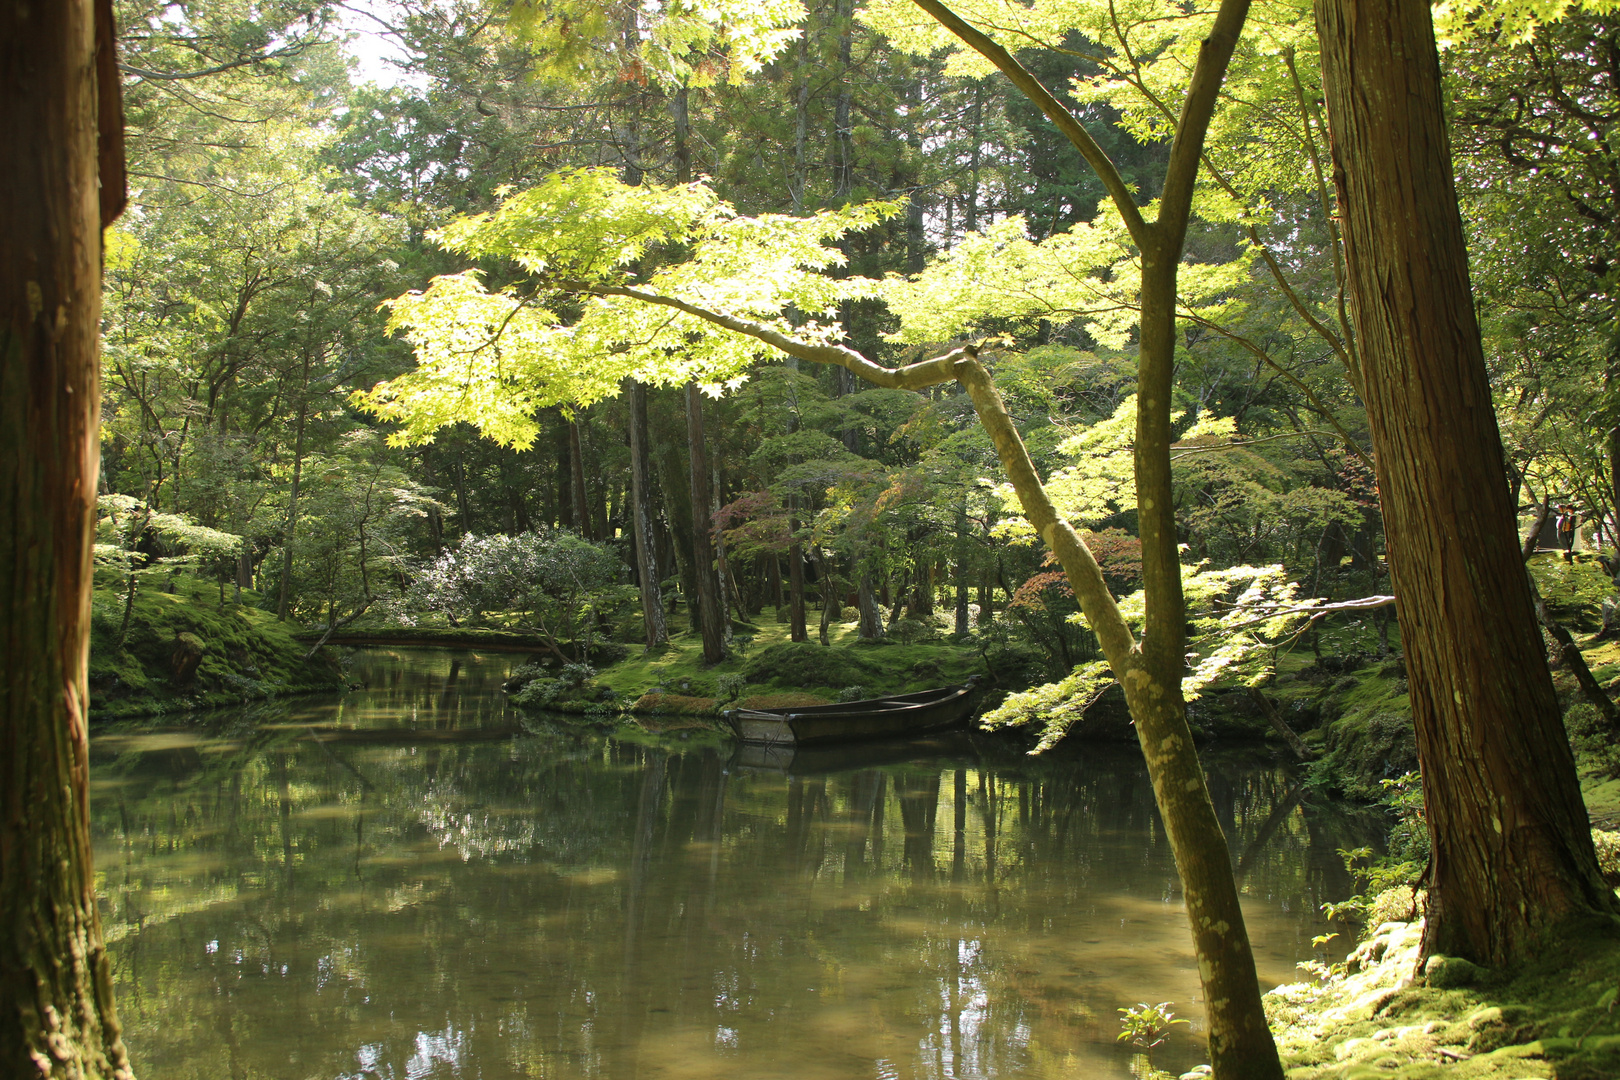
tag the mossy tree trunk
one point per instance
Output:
(1512, 853)
(57, 81)
(1150, 669)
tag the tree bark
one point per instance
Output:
(56, 1003)
(871, 624)
(1512, 852)
(710, 615)
(652, 601)
(576, 482)
(797, 630)
(725, 593)
(290, 532)
(962, 572)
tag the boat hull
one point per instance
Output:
(878, 718)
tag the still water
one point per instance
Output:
(414, 882)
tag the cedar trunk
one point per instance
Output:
(1512, 850)
(56, 1004)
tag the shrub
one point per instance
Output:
(730, 687)
(1608, 853)
(912, 631)
(852, 693)
(608, 653)
(574, 676)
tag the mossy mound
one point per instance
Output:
(1552, 1018)
(807, 664)
(185, 650)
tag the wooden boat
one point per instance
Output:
(848, 721)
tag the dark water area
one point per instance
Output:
(413, 882)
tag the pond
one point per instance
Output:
(415, 882)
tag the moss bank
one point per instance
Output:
(766, 669)
(185, 650)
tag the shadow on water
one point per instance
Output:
(409, 883)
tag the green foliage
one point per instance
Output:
(680, 44)
(570, 684)
(493, 358)
(125, 523)
(1054, 706)
(1239, 617)
(1147, 1026)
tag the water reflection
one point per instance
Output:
(410, 883)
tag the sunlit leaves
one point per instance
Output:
(1084, 274)
(1240, 616)
(677, 42)
(1514, 21)
(581, 223)
(564, 337)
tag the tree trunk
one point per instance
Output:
(289, 534)
(562, 481)
(871, 625)
(710, 615)
(576, 483)
(652, 602)
(56, 1002)
(1611, 457)
(1512, 852)
(843, 16)
(1150, 671)
(829, 597)
(797, 630)
(962, 572)
(726, 591)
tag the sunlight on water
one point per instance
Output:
(418, 884)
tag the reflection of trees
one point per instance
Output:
(575, 905)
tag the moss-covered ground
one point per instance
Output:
(189, 650)
(1555, 1017)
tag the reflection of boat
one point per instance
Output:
(844, 757)
(848, 721)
